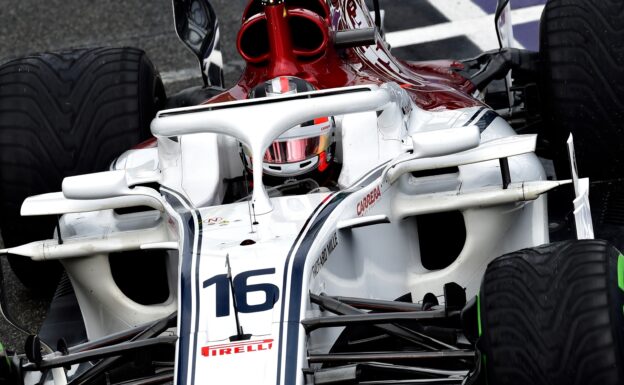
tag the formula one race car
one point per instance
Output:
(339, 216)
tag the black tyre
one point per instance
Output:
(553, 315)
(582, 54)
(64, 114)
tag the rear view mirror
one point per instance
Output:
(103, 186)
(444, 142)
(100, 185)
(504, 33)
(197, 26)
(502, 19)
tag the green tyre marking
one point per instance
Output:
(3, 353)
(620, 273)
(479, 305)
(620, 270)
(480, 327)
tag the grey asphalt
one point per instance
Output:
(29, 26)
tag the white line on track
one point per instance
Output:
(466, 19)
(458, 9)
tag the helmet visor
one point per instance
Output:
(297, 149)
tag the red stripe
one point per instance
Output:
(323, 162)
(285, 87)
(321, 120)
(150, 143)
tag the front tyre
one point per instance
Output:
(554, 315)
(582, 63)
(64, 114)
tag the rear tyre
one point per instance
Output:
(582, 57)
(64, 114)
(553, 315)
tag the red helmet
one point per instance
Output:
(302, 149)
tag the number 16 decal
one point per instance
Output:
(241, 288)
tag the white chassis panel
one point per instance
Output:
(319, 243)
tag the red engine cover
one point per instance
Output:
(296, 40)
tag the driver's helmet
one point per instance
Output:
(304, 149)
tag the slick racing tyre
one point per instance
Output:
(553, 315)
(64, 114)
(582, 57)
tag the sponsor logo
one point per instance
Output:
(375, 55)
(237, 348)
(212, 221)
(368, 201)
(327, 250)
(215, 221)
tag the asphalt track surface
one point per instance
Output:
(418, 29)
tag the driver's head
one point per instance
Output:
(304, 150)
